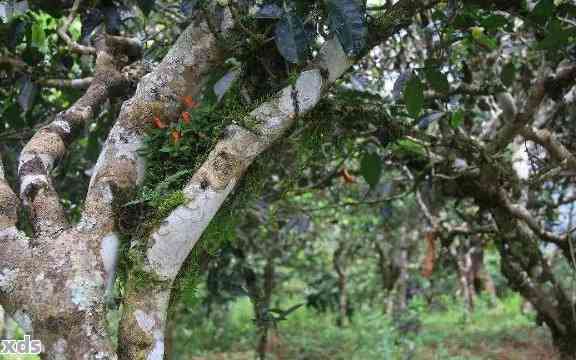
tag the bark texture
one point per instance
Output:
(52, 284)
(55, 283)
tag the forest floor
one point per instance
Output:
(498, 332)
(516, 342)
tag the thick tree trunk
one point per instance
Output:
(388, 271)
(339, 268)
(524, 265)
(264, 344)
(482, 279)
(398, 302)
(466, 276)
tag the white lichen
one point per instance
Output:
(109, 254)
(85, 290)
(145, 321)
(182, 229)
(8, 280)
(24, 320)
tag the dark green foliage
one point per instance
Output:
(414, 96)
(371, 168)
(291, 38)
(508, 74)
(494, 22)
(437, 80)
(346, 18)
(557, 36)
(543, 11)
(146, 5)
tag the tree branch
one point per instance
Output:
(182, 73)
(563, 78)
(49, 144)
(67, 83)
(63, 32)
(555, 148)
(14, 244)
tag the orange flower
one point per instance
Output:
(348, 179)
(158, 123)
(176, 136)
(186, 117)
(189, 102)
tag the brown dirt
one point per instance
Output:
(535, 347)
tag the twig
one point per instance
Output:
(63, 33)
(358, 203)
(66, 83)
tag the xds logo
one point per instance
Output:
(26, 346)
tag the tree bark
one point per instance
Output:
(339, 268)
(264, 344)
(398, 302)
(55, 283)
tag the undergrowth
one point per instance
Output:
(491, 331)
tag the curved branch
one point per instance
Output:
(555, 148)
(14, 244)
(120, 168)
(63, 33)
(49, 144)
(562, 79)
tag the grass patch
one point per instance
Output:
(491, 332)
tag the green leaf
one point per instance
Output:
(456, 119)
(146, 5)
(371, 168)
(543, 10)
(38, 36)
(494, 22)
(291, 38)
(414, 96)
(409, 147)
(508, 74)
(437, 80)
(346, 18)
(557, 36)
(487, 41)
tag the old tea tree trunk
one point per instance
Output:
(54, 282)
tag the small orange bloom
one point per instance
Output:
(189, 102)
(348, 179)
(176, 136)
(186, 117)
(158, 123)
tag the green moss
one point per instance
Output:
(140, 279)
(169, 203)
(221, 230)
(169, 165)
